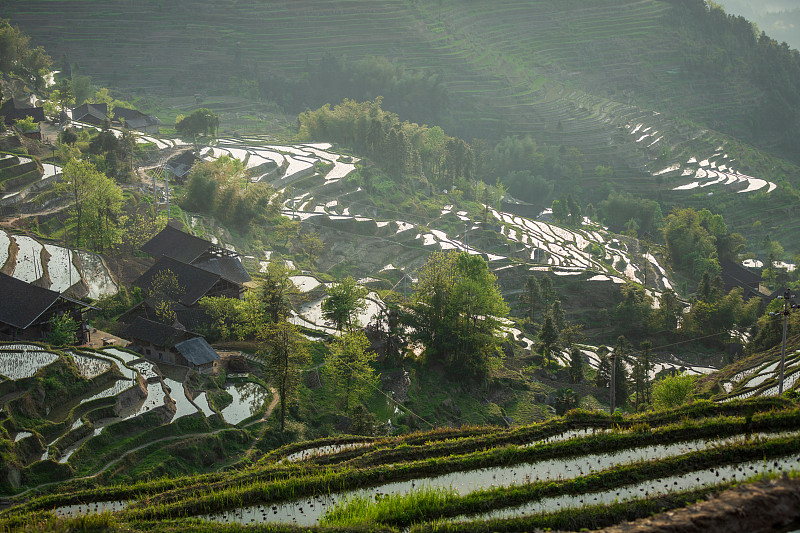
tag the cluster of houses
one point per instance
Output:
(196, 267)
(15, 109)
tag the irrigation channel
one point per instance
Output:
(308, 511)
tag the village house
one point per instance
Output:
(14, 109)
(94, 114)
(173, 243)
(198, 268)
(193, 282)
(736, 275)
(26, 311)
(134, 119)
(171, 345)
(181, 164)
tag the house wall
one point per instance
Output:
(161, 354)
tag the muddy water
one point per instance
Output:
(307, 511)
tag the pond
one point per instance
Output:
(308, 510)
(248, 398)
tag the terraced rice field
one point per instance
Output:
(25, 363)
(762, 379)
(582, 463)
(34, 259)
(90, 367)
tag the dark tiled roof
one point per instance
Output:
(195, 281)
(176, 244)
(736, 274)
(227, 267)
(22, 303)
(134, 118)
(14, 109)
(180, 165)
(95, 114)
(197, 351)
(155, 333)
(128, 114)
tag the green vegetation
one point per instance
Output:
(456, 312)
(200, 122)
(672, 391)
(220, 188)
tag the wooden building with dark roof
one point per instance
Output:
(26, 310)
(14, 109)
(133, 119)
(171, 345)
(736, 275)
(94, 114)
(194, 282)
(181, 164)
(181, 246)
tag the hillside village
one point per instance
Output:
(339, 319)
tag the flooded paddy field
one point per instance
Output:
(307, 511)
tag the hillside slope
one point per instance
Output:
(509, 67)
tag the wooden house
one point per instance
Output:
(14, 109)
(193, 282)
(171, 345)
(736, 275)
(173, 243)
(133, 119)
(26, 310)
(94, 114)
(181, 164)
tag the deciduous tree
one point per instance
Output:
(283, 350)
(456, 313)
(344, 302)
(349, 367)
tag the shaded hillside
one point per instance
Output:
(508, 67)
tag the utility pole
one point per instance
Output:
(787, 309)
(166, 187)
(613, 384)
(155, 200)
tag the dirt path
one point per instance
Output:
(755, 507)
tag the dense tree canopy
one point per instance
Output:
(456, 313)
(201, 122)
(344, 302)
(221, 188)
(96, 204)
(398, 147)
(697, 241)
(18, 57)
